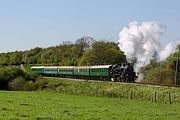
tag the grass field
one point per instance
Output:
(114, 89)
(44, 105)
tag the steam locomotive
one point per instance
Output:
(117, 72)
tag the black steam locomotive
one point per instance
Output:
(122, 73)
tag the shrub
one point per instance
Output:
(15, 71)
(17, 84)
(160, 73)
(13, 77)
(29, 86)
(7, 74)
(3, 79)
(39, 83)
(30, 76)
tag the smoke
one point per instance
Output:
(141, 77)
(141, 43)
(168, 49)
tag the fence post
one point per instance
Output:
(170, 98)
(163, 98)
(134, 94)
(120, 95)
(155, 97)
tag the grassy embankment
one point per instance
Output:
(116, 90)
(46, 105)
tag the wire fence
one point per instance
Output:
(155, 96)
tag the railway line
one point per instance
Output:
(120, 73)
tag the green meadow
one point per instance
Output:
(49, 105)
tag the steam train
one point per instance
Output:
(117, 72)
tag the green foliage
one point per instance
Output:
(15, 71)
(9, 73)
(102, 53)
(66, 62)
(39, 84)
(14, 78)
(87, 58)
(31, 56)
(68, 54)
(30, 76)
(17, 84)
(4, 58)
(161, 72)
(29, 86)
(16, 57)
(22, 84)
(160, 75)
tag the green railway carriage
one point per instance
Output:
(100, 71)
(38, 69)
(66, 70)
(82, 71)
(51, 70)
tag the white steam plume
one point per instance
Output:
(141, 43)
(168, 49)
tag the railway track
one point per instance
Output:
(158, 85)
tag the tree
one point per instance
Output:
(103, 53)
(31, 56)
(85, 51)
(46, 56)
(85, 43)
(88, 58)
(4, 59)
(178, 47)
(16, 58)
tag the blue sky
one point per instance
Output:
(25, 24)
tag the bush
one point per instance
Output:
(4, 78)
(39, 83)
(15, 71)
(160, 72)
(29, 86)
(17, 84)
(13, 78)
(7, 74)
(29, 76)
